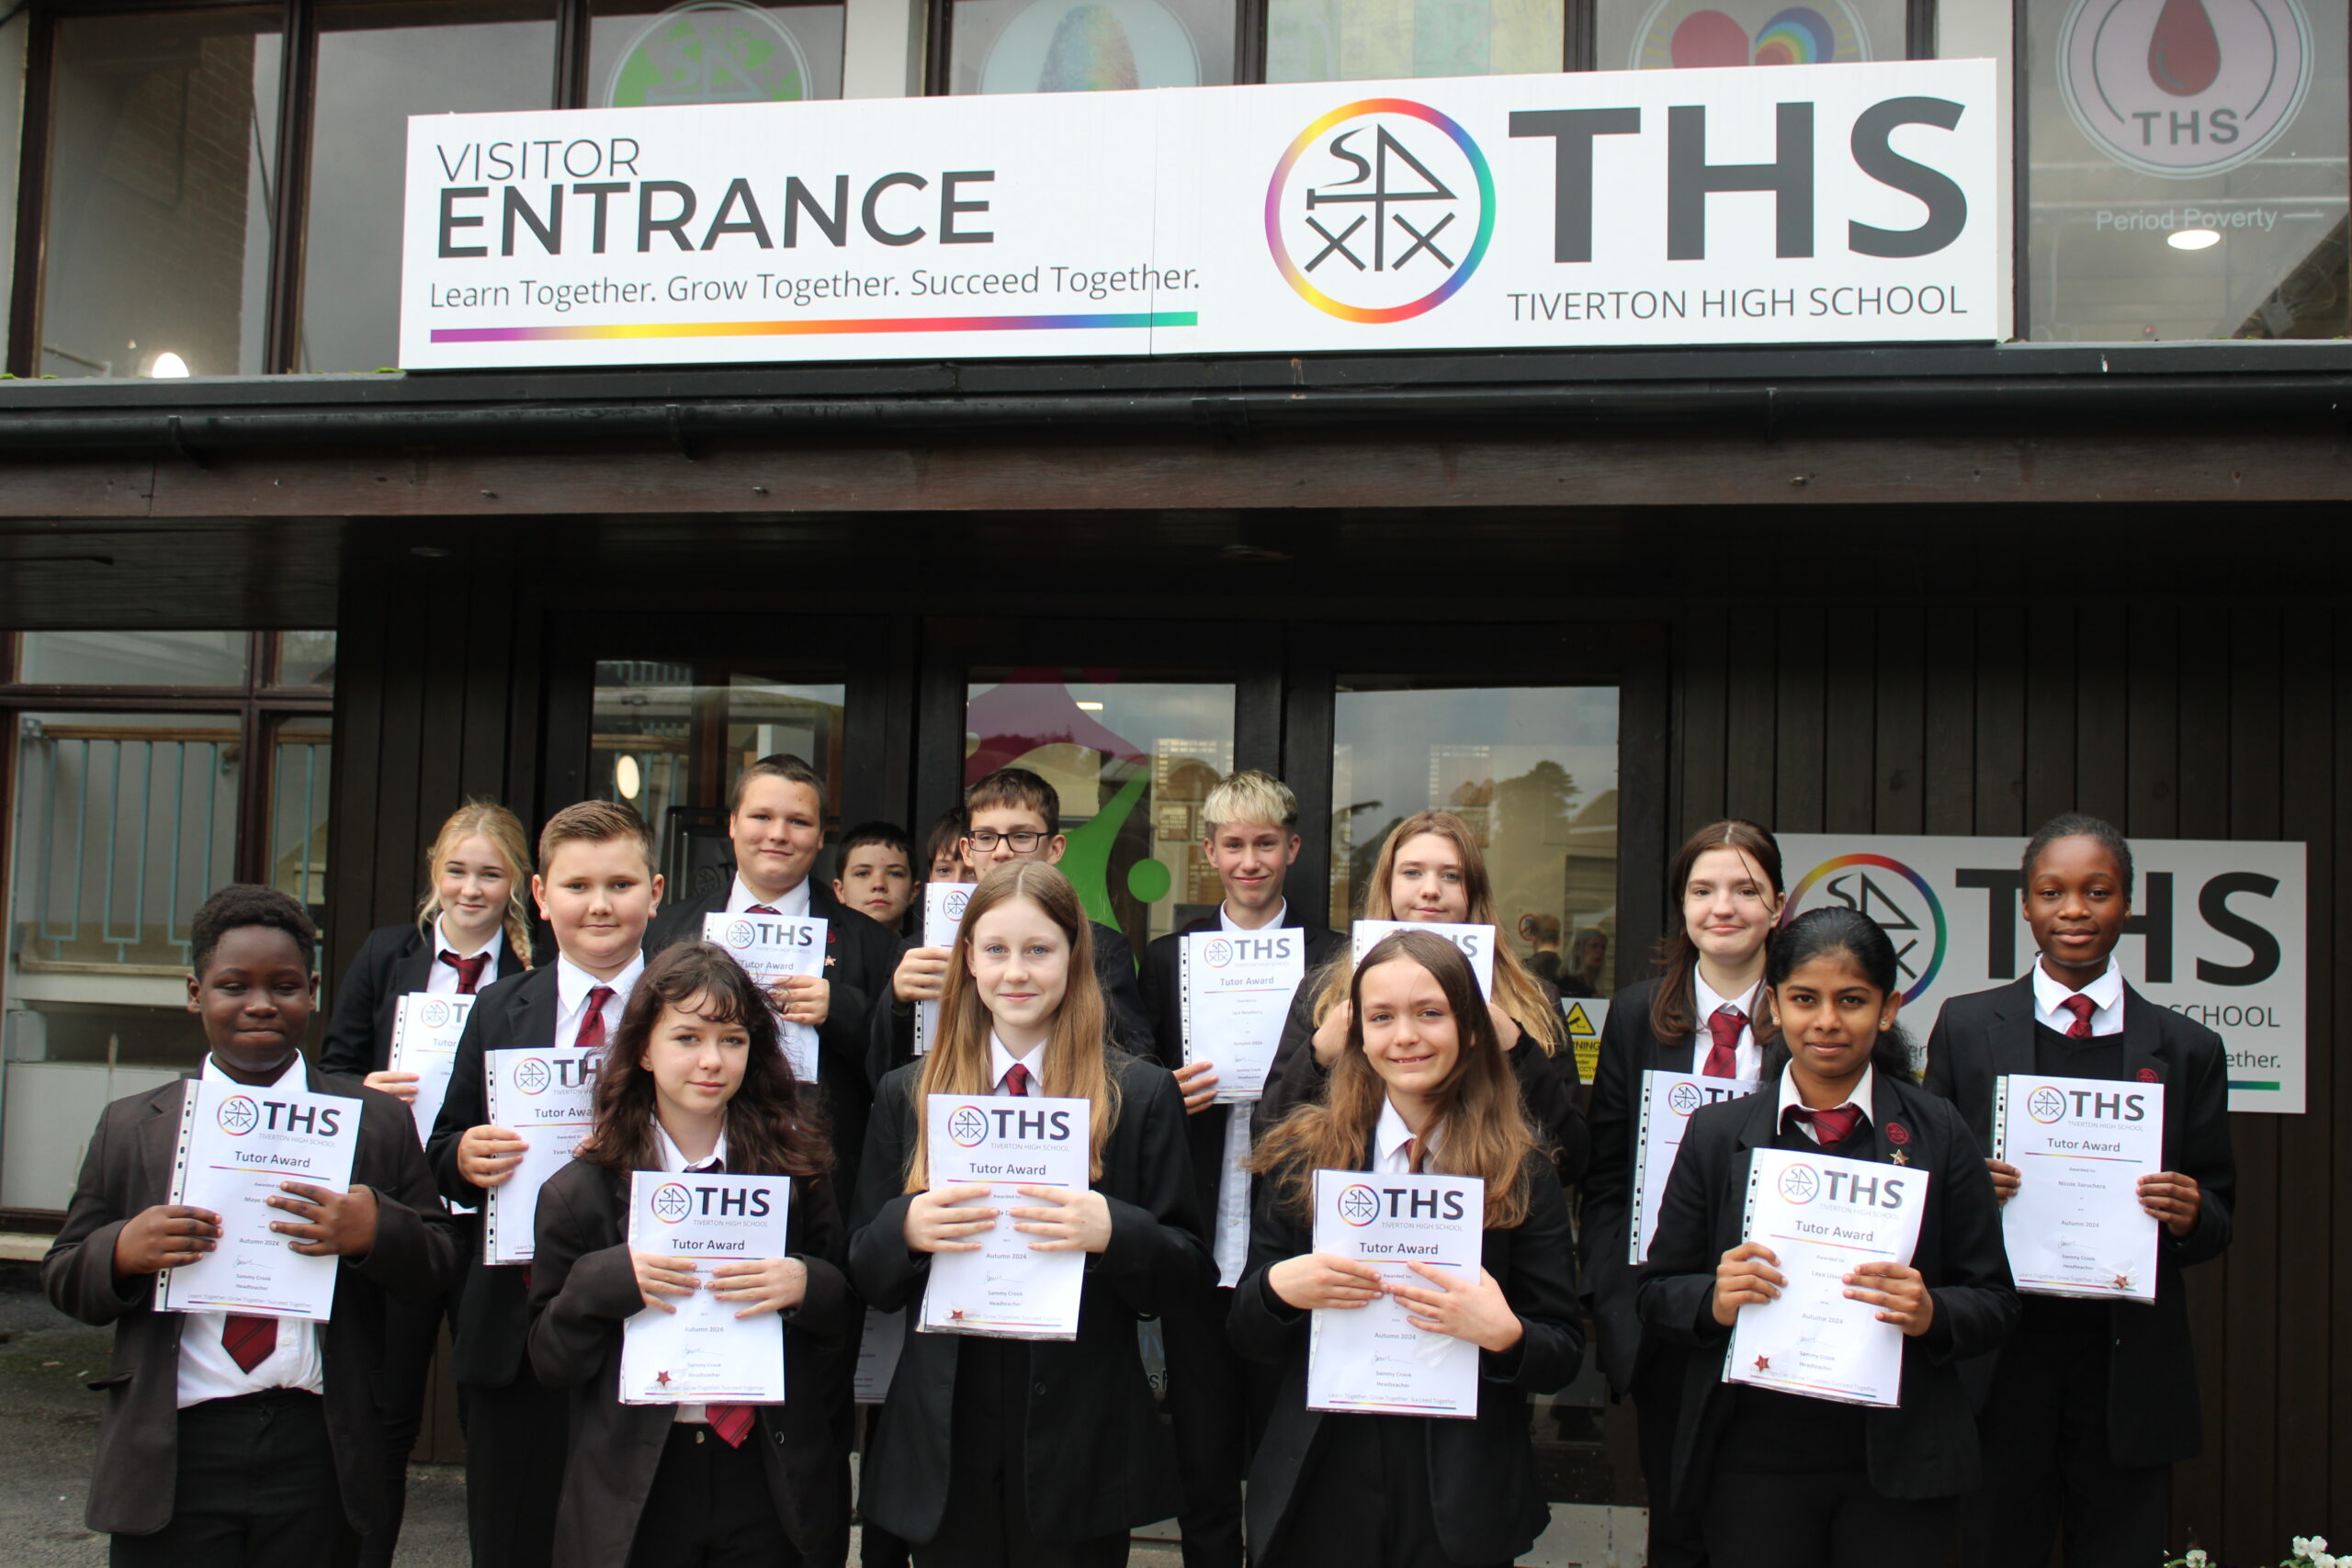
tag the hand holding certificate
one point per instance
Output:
(2075, 1225)
(1389, 1356)
(1237, 987)
(548, 1097)
(774, 949)
(698, 1348)
(260, 1158)
(424, 1042)
(1020, 1274)
(1812, 1286)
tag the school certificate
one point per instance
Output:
(770, 948)
(1477, 943)
(1822, 1215)
(1668, 1101)
(2075, 1227)
(943, 915)
(1237, 987)
(1370, 1359)
(424, 1042)
(702, 1353)
(548, 1096)
(1006, 1142)
(237, 1144)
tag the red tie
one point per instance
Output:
(592, 1022)
(760, 909)
(2082, 1007)
(1016, 1081)
(1723, 1056)
(469, 970)
(1410, 1144)
(248, 1340)
(1830, 1128)
(732, 1422)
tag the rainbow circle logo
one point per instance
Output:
(968, 1126)
(2046, 1105)
(1358, 1204)
(1912, 911)
(1413, 177)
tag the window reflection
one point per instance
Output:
(160, 194)
(1076, 46)
(134, 658)
(379, 63)
(712, 51)
(1655, 35)
(1344, 40)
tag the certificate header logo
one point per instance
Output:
(531, 1076)
(2046, 1105)
(1799, 1184)
(238, 1115)
(435, 1014)
(672, 1202)
(1219, 953)
(1358, 1204)
(954, 904)
(741, 934)
(968, 1126)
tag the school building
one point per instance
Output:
(268, 610)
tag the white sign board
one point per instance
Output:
(2217, 933)
(1849, 203)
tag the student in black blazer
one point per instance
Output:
(472, 930)
(1431, 869)
(776, 823)
(2102, 1485)
(1217, 1400)
(1780, 1480)
(1003, 1454)
(195, 1405)
(1421, 1087)
(1698, 1016)
(598, 890)
(697, 1081)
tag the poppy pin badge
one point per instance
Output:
(1898, 1134)
(2147, 1075)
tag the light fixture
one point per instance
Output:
(168, 366)
(625, 777)
(1089, 707)
(2193, 239)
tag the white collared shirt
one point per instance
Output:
(1000, 1062)
(1860, 1099)
(441, 979)
(793, 903)
(2106, 993)
(207, 1370)
(572, 985)
(1388, 1140)
(1226, 922)
(675, 1163)
(1748, 1056)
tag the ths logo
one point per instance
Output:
(672, 1202)
(1799, 1184)
(968, 1126)
(436, 1013)
(1358, 1204)
(2046, 1105)
(741, 934)
(2183, 87)
(238, 1115)
(1219, 953)
(531, 1076)
(1380, 211)
(1894, 895)
(952, 905)
(1684, 1097)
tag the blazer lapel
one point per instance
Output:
(1894, 1137)
(2141, 1064)
(412, 971)
(159, 1138)
(1760, 1126)
(535, 1010)
(2012, 1035)
(1668, 1057)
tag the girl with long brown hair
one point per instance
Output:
(694, 1081)
(1431, 869)
(1420, 1085)
(968, 1420)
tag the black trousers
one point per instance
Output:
(1820, 1518)
(877, 1548)
(710, 1507)
(1676, 1539)
(2049, 1468)
(1363, 1500)
(1218, 1403)
(255, 1487)
(986, 1520)
(412, 1333)
(515, 1439)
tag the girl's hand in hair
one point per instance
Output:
(935, 1225)
(1474, 1310)
(763, 1285)
(1315, 1280)
(1746, 1276)
(1331, 1035)
(1067, 1220)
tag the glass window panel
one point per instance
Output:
(302, 754)
(160, 194)
(306, 658)
(379, 63)
(670, 739)
(2188, 170)
(134, 658)
(712, 51)
(1076, 46)
(1651, 34)
(1346, 41)
(1132, 758)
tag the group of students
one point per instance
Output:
(2054, 1417)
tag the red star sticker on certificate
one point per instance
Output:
(1763, 1363)
(956, 1314)
(662, 1378)
(2123, 1282)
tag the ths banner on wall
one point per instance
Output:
(2217, 932)
(1802, 204)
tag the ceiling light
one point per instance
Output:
(625, 777)
(2193, 239)
(168, 366)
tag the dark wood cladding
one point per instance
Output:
(2186, 719)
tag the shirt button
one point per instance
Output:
(1036, 1388)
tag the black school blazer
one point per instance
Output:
(1927, 1447)
(1100, 1461)
(859, 957)
(1163, 991)
(128, 1169)
(584, 1285)
(1483, 1488)
(393, 961)
(2154, 1415)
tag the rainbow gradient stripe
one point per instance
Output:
(1103, 320)
(1840, 863)
(1798, 35)
(1297, 276)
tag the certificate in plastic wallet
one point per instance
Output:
(1477, 943)
(770, 948)
(546, 1094)
(1668, 1099)
(1370, 1359)
(1237, 987)
(2075, 1227)
(702, 1353)
(424, 1042)
(943, 915)
(1006, 1290)
(237, 1144)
